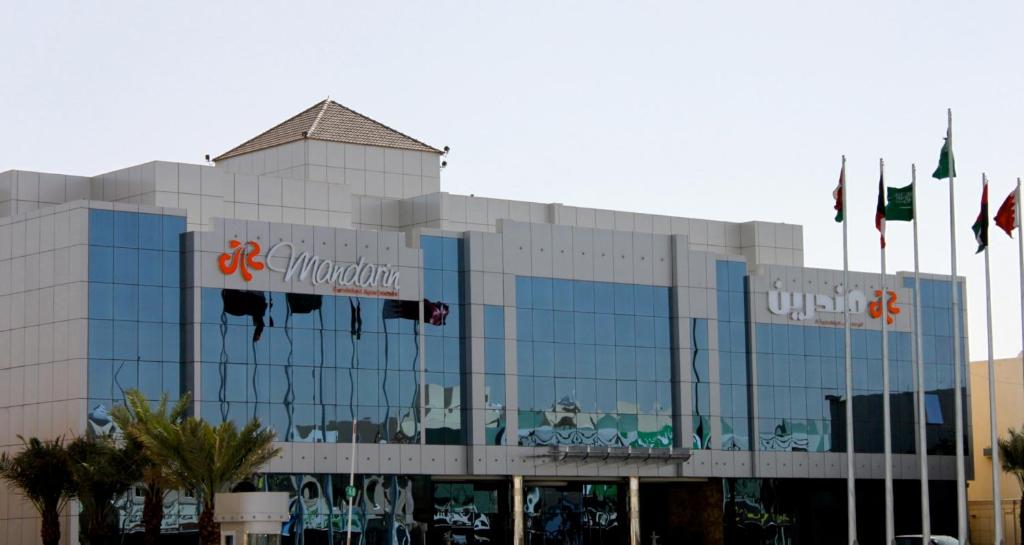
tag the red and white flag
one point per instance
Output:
(1006, 218)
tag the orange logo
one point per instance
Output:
(243, 255)
(875, 307)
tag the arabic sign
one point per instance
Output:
(803, 306)
(360, 278)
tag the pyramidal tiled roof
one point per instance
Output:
(327, 120)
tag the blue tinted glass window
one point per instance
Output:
(543, 325)
(494, 321)
(131, 335)
(601, 351)
(644, 300)
(173, 226)
(126, 265)
(562, 291)
(624, 300)
(151, 267)
(583, 328)
(933, 409)
(494, 355)
(101, 300)
(583, 296)
(524, 292)
(542, 293)
(661, 302)
(101, 227)
(101, 264)
(150, 231)
(722, 276)
(563, 326)
(433, 254)
(126, 229)
(452, 249)
(126, 302)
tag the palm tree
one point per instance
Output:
(101, 472)
(42, 472)
(1011, 453)
(156, 480)
(206, 458)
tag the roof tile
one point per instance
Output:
(329, 121)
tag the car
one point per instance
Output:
(935, 540)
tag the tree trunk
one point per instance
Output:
(49, 532)
(98, 522)
(1020, 520)
(152, 515)
(209, 531)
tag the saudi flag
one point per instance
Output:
(980, 226)
(837, 194)
(947, 165)
(901, 203)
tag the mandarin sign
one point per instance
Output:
(802, 306)
(359, 278)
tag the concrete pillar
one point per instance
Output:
(634, 510)
(518, 525)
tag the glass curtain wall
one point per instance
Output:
(392, 509)
(732, 354)
(593, 363)
(134, 309)
(937, 338)
(307, 365)
(801, 389)
(494, 374)
(443, 280)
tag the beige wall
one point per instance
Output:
(1009, 413)
(43, 296)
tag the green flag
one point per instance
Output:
(901, 204)
(947, 164)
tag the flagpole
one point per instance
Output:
(922, 428)
(958, 402)
(997, 499)
(851, 478)
(1020, 255)
(352, 458)
(890, 533)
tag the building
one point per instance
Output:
(513, 369)
(1009, 407)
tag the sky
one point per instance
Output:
(735, 111)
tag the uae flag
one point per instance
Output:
(1006, 217)
(837, 194)
(980, 226)
(880, 210)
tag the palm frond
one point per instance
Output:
(41, 472)
(194, 453)
(1011, 454)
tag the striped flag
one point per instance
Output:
(980, 226)
(837, 194)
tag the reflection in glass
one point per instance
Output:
(587, 365)
(134, 330)
(318, 366)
